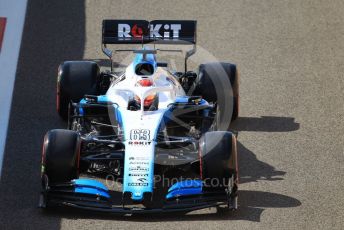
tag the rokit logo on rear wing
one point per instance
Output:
(155, 31)
(143, 32)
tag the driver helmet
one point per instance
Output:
(149, 100)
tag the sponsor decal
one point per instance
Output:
(143, 180)
(2, 30)
(138, 168)
(142, 158)
(137, 184)
(140, 134)
(138, 174)
(155, 31)
(138, 163)
(139, 143)
(136, 31)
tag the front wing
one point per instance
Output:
(94, 196)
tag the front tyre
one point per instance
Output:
(218, 161)
(60, 156)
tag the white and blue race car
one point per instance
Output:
(161, 135)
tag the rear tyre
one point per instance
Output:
(60, 156)
(75, 80)
(214, 84)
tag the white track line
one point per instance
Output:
(14, 11)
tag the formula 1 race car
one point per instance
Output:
(149, 139)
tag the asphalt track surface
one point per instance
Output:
(291, 130)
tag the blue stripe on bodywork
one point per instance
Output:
(185, 188)
(92, 187)
(91, 183)
(101, 99)
(186, 184)
(185, 99)
(83, 101)
(91, 191)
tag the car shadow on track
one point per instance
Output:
(265, 124)
(250, 168)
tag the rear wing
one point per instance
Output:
(143, 32)
(177, 32)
